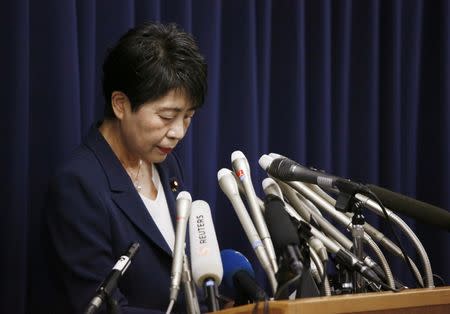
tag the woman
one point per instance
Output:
(119, 186)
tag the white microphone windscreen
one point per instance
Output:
(271, 187)
(205, 253)
(265, 161)
(228, 187)
(236, 155)
(275, 155)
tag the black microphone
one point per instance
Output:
(293, 255)
(411, 207)
(283, 233)
(288, 170)
(238, 274)
(110, 283)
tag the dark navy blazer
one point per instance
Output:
(93, 215)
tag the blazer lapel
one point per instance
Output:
(170, 195)
(123, 192)
(172, 185)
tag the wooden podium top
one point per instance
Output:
(414, 301)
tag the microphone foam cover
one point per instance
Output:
(275, 155)
(233, 261)
(227, 182)
(237, 154)
(281, 228)
(184, 195)
(265, 161)
(271, 187)
(205, 254)
(183, 205)
(416, 209)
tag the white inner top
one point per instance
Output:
(159, 210)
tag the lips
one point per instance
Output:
(165, 150)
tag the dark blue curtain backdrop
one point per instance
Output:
(358, 88)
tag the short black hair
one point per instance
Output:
(149, 61)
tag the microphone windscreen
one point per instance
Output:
(281, 228)
(265, 161)
(205, 254)
(421, 211)
(233, 261)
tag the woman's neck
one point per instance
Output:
(110, 130)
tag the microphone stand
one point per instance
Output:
(211, 293)
(358, 221)
(112, 305)
(347, 202)
(190, 291)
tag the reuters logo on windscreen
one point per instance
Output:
(203, 251)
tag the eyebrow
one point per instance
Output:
(176, 109)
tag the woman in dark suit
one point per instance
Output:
(119, 186)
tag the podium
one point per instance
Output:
(414, 301)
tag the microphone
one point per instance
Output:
(110, 283)
(206, 264)
(283, 233)
(242, 170)
(227, 183)
(288, 170)
(238, 274)
(294, 256)
(343, 256)
(183, 207)
(411, 207)
(270, 187)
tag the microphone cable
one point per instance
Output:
(286, 285)
(366, 191)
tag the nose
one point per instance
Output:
(177, 130)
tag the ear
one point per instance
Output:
(120, 104)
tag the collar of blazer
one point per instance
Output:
(123, 192)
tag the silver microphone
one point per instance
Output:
(183, 208)
(242, 170)
(229, 186)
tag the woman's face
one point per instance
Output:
(151, 132)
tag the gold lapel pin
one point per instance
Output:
(174, 185)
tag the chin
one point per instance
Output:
(159, 159)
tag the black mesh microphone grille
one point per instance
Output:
(280, 167)
(281, 228)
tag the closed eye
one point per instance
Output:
(167, 118)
